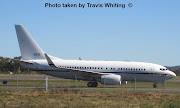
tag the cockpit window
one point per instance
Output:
(163, 69)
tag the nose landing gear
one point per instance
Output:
(92, 84)
(154, 85)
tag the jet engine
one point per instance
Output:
(111, 79)
(124, 82)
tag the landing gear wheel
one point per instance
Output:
(89, 84)
(154, 85)
(94, 84)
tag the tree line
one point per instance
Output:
(7, 66)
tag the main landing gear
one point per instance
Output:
(92, 84)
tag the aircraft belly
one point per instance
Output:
(142, 77)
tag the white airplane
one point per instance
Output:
(105, 72)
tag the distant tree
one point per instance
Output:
(7, 65)
(170, 68)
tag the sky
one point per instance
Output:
(149, 31)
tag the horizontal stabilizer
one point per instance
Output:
(21, 61)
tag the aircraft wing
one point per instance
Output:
(81, 72)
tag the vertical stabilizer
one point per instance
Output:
(30, 50)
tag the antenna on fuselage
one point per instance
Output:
(80, 58)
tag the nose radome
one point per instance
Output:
(173, 74)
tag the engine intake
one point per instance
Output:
(124, 82)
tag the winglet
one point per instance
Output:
(49, 61)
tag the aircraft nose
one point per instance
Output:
(172, 74)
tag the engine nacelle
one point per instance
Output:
(124, 82)
(111, 79)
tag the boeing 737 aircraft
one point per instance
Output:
(105, 72)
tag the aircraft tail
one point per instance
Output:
(30, 50)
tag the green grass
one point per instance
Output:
(118, 97)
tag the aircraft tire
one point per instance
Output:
(89, 84)
(154, 85)
(94, 84)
